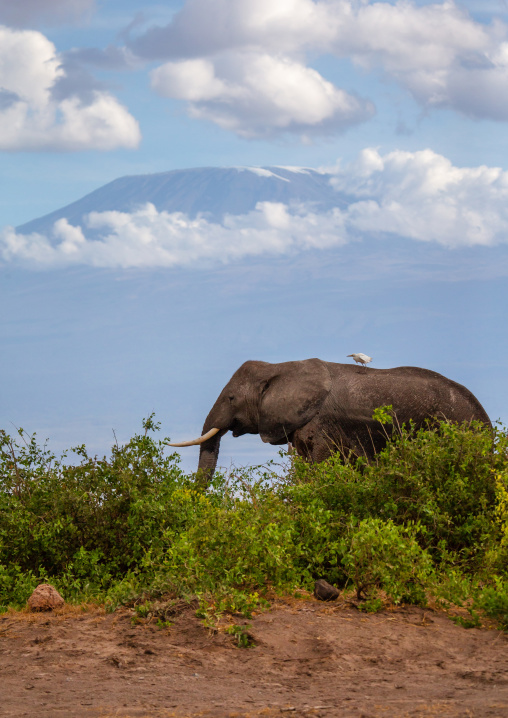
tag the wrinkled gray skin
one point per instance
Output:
(322, 407)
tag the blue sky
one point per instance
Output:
(407, 104)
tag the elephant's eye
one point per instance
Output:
(231, 397)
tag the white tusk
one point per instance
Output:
(201, 439)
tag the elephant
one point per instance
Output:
(321, 407)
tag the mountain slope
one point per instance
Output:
(212, 191)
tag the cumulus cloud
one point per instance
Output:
(148, 238)
(258, 95)
(241, 67)
(436, 51)
(22, 13)
(39, 110)
(205, 27)
(422, 196)
(413, 196)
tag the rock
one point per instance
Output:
(45, 598)
(324, 591)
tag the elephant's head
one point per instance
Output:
(272, 400)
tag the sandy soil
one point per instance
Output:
(309, 659)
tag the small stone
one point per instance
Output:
(45, 598)
(324, 591)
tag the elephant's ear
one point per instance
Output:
(291, 397)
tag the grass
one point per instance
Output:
(427, 520)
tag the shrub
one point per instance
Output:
(493, 600)
(501, 510)
(94, 520)
(441, 479)
(242, 543)
(379, 554)
(430, 513)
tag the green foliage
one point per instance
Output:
(429, 515)
(501, 510)
(383, 414)
(241, 634)
(493, 600)
(231, 600)
(474, 620)
(379, 554)
(441, 479)
(91, 522)
(242, 542)
(143, 609)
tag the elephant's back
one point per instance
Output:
(416, 389)
(408, 371)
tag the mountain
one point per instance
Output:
(212, 191)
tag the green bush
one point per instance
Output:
(92, 521)
(379, 554)
(493, 600)
(429, 514)
(442, 479)
(241, 545)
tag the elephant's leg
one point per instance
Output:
(319, 439)
(314, 443)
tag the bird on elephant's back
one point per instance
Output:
(323, 407)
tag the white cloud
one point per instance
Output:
(22, 13)
(259, 95)
(437, 51)
(422, 196)
(148, 238)
(415, 196)
(30, 116)
(206, 27)
(192, 80)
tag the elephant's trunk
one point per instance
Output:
(208, 455)
(218, 422)
(209, 450)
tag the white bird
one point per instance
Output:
(361, 358)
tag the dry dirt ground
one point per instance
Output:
(309, 659)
